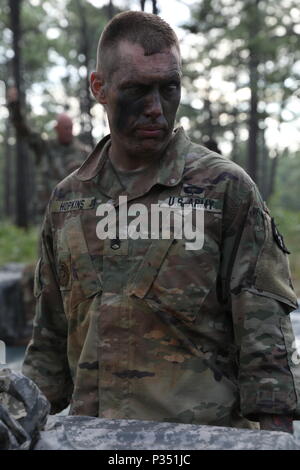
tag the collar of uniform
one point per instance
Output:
(171, 166)
(95, 161)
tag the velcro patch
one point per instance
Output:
(200, 203)
(278, 237)
(191, 189)
(73, 205)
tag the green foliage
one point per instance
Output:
(285, 207)
(233, 38)
(287, 195)
(18, 245)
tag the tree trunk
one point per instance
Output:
(209, 128)
(110, 10)
(273, 171)
(154, 6)
(21, 163)
(85, 101)
(8, 177)
(253, 73)
(263, 176)
(253, 118)
(234, 130)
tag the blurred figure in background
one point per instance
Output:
(212, 145)
(54, 158)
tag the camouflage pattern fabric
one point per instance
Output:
(57, 162)
(54, 160)
(145, 329)
(23, 411)
(86, 433)
(28, 299)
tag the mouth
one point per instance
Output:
(150, 131)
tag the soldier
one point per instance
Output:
(140, 327)
(55, 158)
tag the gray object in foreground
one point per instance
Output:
(86, 433)
(23, 411)
(12, 319)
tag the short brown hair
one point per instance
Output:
(148, 30)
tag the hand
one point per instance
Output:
(279, 423)
(12, 95)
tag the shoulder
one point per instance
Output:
(69, 195)
(213, 166)
(81, 179)
(216, 173)
(67, 186)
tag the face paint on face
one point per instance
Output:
(142, 99)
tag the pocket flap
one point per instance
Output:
(149, 269)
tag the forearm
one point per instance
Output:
(17, 118)
(46, 364)
(279, 423)
(34, 140)
(46, 358)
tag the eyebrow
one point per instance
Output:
(176, 76)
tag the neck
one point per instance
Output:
(129, 162)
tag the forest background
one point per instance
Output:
(241, 62)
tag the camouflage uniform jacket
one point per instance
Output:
(53, 160)
(56, 162)
(145, 329)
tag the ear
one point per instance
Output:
(98, 87)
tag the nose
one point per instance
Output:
(153, 108)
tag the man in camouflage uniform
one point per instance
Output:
(54, 158)
(145, 328)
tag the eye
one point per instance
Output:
(171, 87)
(135, 90)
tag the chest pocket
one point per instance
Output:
(75, 264)
(176, 280)
(149, 269)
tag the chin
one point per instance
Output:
(152, 145)
(151, 149)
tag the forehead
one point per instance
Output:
(133, 64)
(64, 121)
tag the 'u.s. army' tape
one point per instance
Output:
(200, 203)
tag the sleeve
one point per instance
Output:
(46, 360)
(256, 277)
(33, 139)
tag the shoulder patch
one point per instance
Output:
(278, 237)
(191, 189)
(73, 205)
